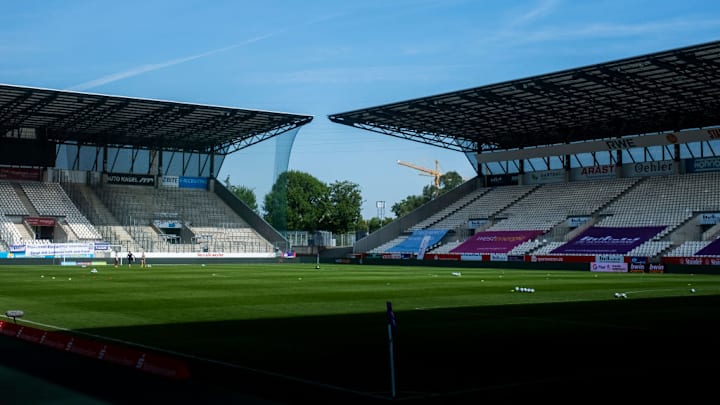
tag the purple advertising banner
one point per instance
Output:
(597, 240)
(712, 249)
(495, 241)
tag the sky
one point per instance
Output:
(325, 57)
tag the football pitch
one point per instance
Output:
(462, 334)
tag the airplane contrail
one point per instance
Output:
(155, 66)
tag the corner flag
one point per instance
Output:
(391, 316)
(392, 324)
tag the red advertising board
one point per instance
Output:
(19, 173)
(692, 261)
(39, 221)
(560, 259)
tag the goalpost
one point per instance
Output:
(116, 251)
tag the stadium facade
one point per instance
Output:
(614, 164)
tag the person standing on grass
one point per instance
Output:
(130, 258)
(117, 261)
(142, 259)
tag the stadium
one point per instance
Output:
(594, 185)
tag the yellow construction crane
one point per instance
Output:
(427, 172)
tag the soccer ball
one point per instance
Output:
(692, 290)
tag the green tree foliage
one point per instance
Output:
(449, 181)
(375, 223)
(345, 206)
(298, 201)
(245, 194)
(408, 204)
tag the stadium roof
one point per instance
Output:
(665, 91)
(64, 116)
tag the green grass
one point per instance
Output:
(456, 334)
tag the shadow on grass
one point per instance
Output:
(605, 350)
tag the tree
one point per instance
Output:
(245, 194)
(449, 181)
(298, 201)
(408, 204)
(375, 223)
(345, 206)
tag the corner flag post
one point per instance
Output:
(392, 324)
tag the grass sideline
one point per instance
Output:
(323, 331)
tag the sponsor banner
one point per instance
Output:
(471, 257)
(171, 181)
(17, 248)
(599, 240)
(61, 249)
(561, 259)
(692, 261)
(516, 258)
(150, 362)
(710, 218)
(544, 177)
(193, 182)
(624, 143)
(644, 169)
(166, 366)
(638, 260)
(38, 221)
(9, 328)
(701, 165)
(712, 249)
(541, 259)
(32, 334)
(476, 223)
(442, 256)
(498, 257)
(593, 172)
(18, 173)
(574, 222)
(501, 180)
(131, 179)
(610, 258)
(495, 241)
(637, 267)
(424, 243)
(656, 268)
(123, 356)
(102, 246)
(167, 224)
(85, 347)
(609, 267)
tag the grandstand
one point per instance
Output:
(622, 144)
(595, 153)
(113, 173)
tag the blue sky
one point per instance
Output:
(322, 57)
